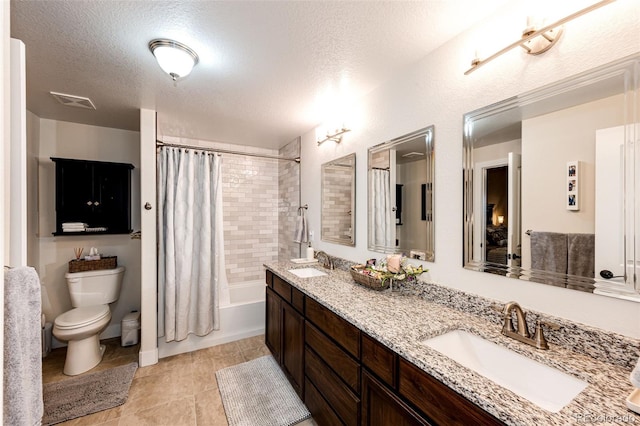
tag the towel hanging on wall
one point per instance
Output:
(301, 232)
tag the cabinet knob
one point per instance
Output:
(89, 203)
(95, 203)
(147, 206)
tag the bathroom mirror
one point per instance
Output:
(401, 177)
(338, 200)
(550, 184)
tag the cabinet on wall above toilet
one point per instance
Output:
(95, 193)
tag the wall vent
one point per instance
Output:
(73, 101)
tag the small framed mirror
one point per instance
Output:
(401, 182)
(338, 200)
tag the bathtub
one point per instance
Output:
(242, 318)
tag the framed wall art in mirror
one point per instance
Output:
(338, 200)
(550, 183)
(400, 195)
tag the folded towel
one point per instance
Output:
(581, 256)
(22, 348)
(549, 252)
(301, 232)
(635, 375)
(73, 224)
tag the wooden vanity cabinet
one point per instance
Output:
(284, 329)
(346, 377)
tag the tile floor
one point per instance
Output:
(178, 391)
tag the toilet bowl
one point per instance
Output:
(91, 292)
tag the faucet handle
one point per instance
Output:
(538, 337)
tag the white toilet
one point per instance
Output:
(91, 292)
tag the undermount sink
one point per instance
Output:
(545, 386)
(307, 272)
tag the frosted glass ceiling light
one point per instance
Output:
(176, 59)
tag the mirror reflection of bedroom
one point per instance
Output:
(497, 215)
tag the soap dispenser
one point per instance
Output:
(309, 252)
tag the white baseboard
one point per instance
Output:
(147, 358)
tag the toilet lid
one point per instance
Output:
(79, 317)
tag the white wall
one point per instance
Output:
(436, 91)
(50, 138)
(548, 143)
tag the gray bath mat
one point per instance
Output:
(83, 395)
(257, 393)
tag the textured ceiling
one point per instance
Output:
(268, 71)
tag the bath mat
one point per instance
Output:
(83, 395)
(257, 393)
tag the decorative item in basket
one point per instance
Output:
(81, 265)
(379, 275)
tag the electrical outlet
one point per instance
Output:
(310, 235)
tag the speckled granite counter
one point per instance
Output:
(400, 320)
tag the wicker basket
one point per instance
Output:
(367, 280)
(81, 265)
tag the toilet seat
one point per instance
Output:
(80, 317)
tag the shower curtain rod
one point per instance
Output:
(226, 151)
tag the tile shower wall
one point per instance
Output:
(250, 207)
(288, 200)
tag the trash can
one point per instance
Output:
(129, 328)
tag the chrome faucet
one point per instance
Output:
(522, 333)
(328, 261)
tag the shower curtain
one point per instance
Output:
(191, 272)
(381, 204)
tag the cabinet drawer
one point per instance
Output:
(379, 359)
(333, 326)
(334, 391)
(269, 278)
(320, 411)
(282, 287)
(297, 299)
(381, 407)
(345, 367)
(437, 401)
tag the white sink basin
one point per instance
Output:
(307, 272)
(545, 386)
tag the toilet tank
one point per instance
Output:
(94, 287)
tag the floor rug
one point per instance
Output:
(83, 395)
(257, 393)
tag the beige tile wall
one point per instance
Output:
(260, 198)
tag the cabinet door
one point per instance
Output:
(74, 192)
(293, 346)
(273, 326)
(380, 407)
(112, 200)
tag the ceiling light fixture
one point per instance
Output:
(535, 42)
(175, 58)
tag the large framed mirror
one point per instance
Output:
(551, 186)
(400, 196)
(338, 201)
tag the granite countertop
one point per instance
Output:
(400, 320)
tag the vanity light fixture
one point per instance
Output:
(535, 42)
(175, 58)
(336, 136)
(500, 220)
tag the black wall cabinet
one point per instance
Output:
(93, 192)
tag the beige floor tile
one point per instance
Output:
(180, 412)
(251, 354)
(178, 391)
(209, 409)
(251, 342)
